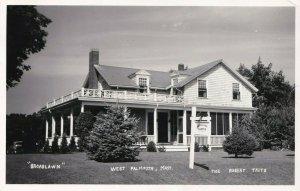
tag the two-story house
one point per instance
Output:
(161, 100)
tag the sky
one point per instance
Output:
(154, 38)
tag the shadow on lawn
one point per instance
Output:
(241, 157)
(290, 155)
(202, 165)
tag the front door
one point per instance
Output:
(162, 127)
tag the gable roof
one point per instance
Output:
(119, 76)
(200, 70)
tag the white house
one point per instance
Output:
(162, 100)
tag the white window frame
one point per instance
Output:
(198, 79)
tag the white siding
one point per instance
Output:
(219, 90)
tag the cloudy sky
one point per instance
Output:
(156, 38)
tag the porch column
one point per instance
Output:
(209, 132)
(155, 125)
(82, 107)
(47, 126)
(125, 110)
(71, 123)
(61, 124)
(53, 126)
(169, 126)
(184, 127)
(230, 122)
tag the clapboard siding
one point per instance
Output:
(219, 90)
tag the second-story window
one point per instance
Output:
(202, 90)
(175, 81)
(236, 91)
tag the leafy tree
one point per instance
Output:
(64, 147)
(113, 135)
(25, 36)
(27, 128)
(273, 89)
(240, 142)
(72, 144)
(84, 123)
(54, 146)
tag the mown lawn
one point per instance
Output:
(77, 169)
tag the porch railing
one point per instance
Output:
(112, 94)
(215, 140)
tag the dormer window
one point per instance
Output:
(235, 91)
(175, 81)
(143, 82)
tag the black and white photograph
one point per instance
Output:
(149, 94)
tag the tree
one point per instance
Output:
(84, 123)
(64, 147)
(54, 146)
(72, 144)
(25, 36)
(273, 89)
(27, 128)
(46, 147)
(113, 135)
(240, 142)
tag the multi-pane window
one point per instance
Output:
(219, 123)
(237, 119)
(236, 91)
(202, 91)
(143, 82)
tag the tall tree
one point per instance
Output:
(25, 36)
(273, 89)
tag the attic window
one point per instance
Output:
(143, 82)
(175, 81)
(202, 90)
(236, 91)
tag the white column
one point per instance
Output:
(209, 132)
(155, 125)
(82, 107)
(53, 126)
(125, 110)
(71, 123)
(169, 126)
(47, 126)
(230, 122)
(184, 127)
(61, 124)
(192, 146)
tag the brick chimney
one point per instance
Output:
(93, 60)
(180, 67)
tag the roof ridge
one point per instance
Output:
(131, 68)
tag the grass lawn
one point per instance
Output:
(77, 169)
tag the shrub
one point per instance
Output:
(204, 148)
(239, 142)
(47, 147)
(84, 123)
(113, 135)
(197, 148)
(54, 147)
(64, 147)
(72, 144)
(151, 147)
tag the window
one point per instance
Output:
(150, 125)
(236, 91)
(143, 82)
(219, 123)
(175, 81)
(237, 119)
(202, 91)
